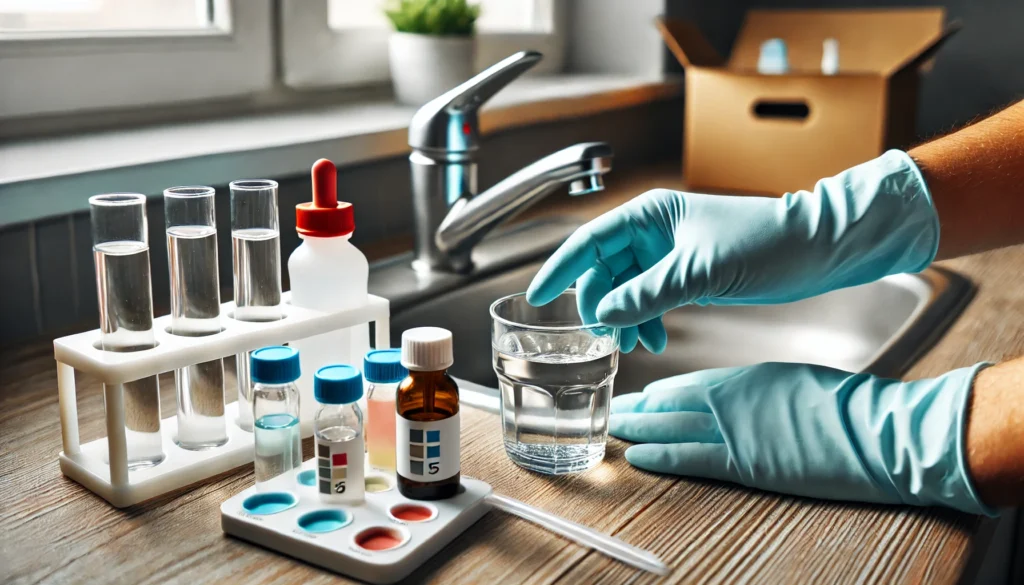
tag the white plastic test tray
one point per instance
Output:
(337, 551)
(86, 463)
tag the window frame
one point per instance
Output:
(65, 72)
(315, 56)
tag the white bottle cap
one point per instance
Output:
(830, 56)
(427, 349)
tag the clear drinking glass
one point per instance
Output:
(555, 376)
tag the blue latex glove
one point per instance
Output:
(809, 431)
(665, 248)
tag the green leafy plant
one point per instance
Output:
(433, 17)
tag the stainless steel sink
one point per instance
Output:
(882, 328)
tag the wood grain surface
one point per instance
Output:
(54, 531)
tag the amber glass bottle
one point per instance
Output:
(427, 425)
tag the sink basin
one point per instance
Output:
(881, 327)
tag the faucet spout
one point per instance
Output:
(471, 218)
(444, 136)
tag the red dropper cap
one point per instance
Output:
(324, 217)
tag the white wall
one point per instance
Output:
(616, 36)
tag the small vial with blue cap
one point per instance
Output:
(383, 370)
(275, 405)
(338, 428)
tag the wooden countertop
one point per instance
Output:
(55, 531)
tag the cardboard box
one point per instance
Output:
(747, 132)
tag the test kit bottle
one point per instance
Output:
(256, 266)
(383, 370)
(829, 56)
(195, 312)
(327, 273)
(275, 411)
(338, 428)
(427, 423)
(120, 249)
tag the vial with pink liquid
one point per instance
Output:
(383, 370)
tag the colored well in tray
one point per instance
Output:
(269, 503)
(378, 538)
(308, 477)
(412, 512)
(378, 483)
(320, 521)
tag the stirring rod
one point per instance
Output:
(580, 534)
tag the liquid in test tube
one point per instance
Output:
(195, 312)
(124, 289)
(256, 257)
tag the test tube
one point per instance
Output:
(120, 247)
(256, 257)
(195, 312)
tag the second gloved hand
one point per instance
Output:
(807, 430)
(666, 248)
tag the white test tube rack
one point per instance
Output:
(86, 464)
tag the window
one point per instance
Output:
(71, 56)
(344, 42)
(97, 54)
(48, 16)
(495, 15)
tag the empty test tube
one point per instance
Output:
(195, 312)
(256, 257)
(121, 254)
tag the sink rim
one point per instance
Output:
(942, 296)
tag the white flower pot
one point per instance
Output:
(425, 66)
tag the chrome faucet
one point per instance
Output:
(444, 135)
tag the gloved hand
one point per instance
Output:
(665, 248)
(809, 431)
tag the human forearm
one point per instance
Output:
(976, 178)
(995, 434)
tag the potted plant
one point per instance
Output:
(432, 48)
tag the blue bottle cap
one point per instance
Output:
(384, 366)
(274, 365)
(337, 385)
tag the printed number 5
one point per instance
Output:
(434, 468)
(339, 487)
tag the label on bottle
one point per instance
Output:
(340, 476)
(427, 451)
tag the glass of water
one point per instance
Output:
(555, 375)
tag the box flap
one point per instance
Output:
(922, 59)
(870, 41)
(687, 43)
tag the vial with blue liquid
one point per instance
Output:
(274, 371)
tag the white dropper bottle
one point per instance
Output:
(327, 273)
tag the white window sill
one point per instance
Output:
(54, 176)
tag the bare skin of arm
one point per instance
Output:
(995, 434)
(976, 177)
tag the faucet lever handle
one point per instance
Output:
(449, 122)
(478, 89)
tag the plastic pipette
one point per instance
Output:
(580, 534)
